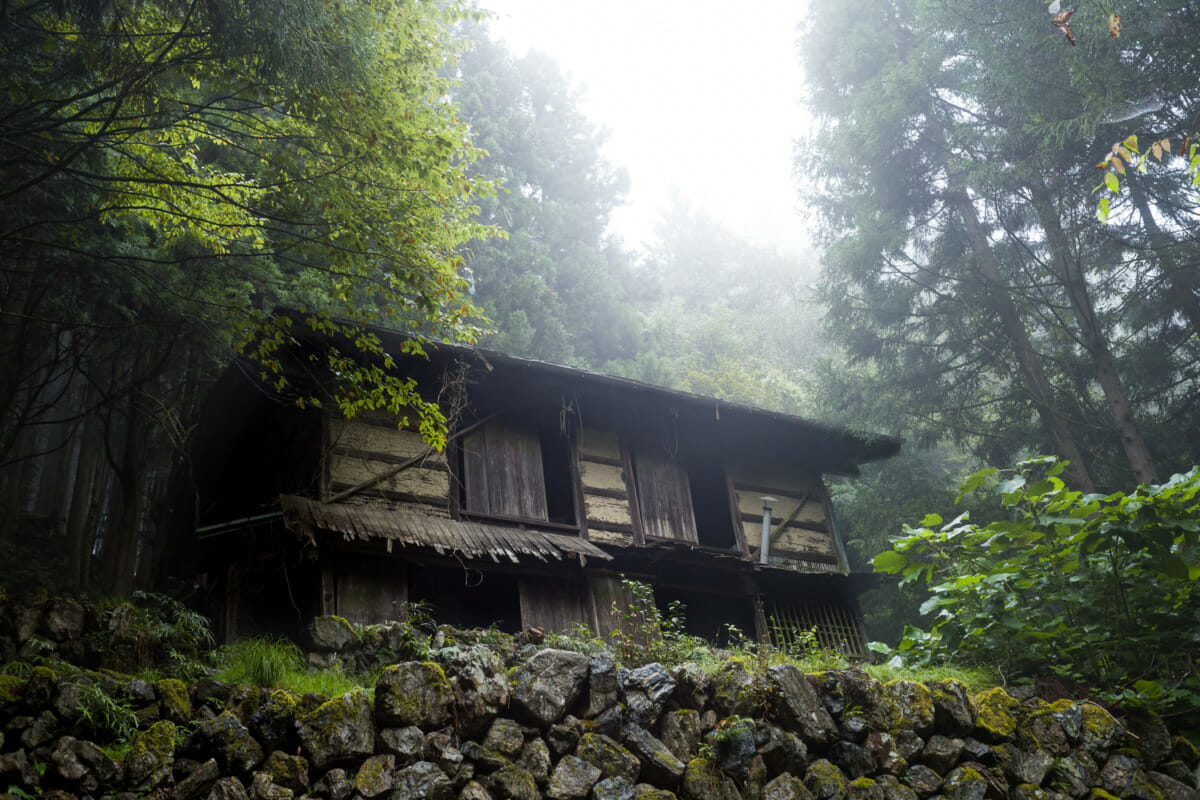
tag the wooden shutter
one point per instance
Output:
(502, 471)
(664, 497)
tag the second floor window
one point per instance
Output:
(516, 470)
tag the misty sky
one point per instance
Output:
(702, 101)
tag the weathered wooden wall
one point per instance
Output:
(806, 540)
(369, 445)
(554, 604)
(365, 589)
(605, 488)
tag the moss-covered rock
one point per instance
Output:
(330, 634)
(906, 704)
(513, 782)
(864, 788)
(174, 704)
(965, 783)
(413, 694)
(659, 765)
(608, 756)
(1183, 750)
(923, 780)
(1151, 738)
(545, 685)
(274, 723)
(702, 781)
(423, 781)
(12, 692)
(40, 687)
(288, 771)
(798, 706)
(227, 739)
(953, 710)
(996, 720)
(150, 760)
(786, 786)
(1101, 731)
(374, 777)
(339, 731)
(1125, 778)
(1039, 729)
(1074, 774)
(572, 779)
(732, 688)
(825, 781)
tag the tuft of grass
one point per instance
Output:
(331, 682)
(279, 664)
(260, 661)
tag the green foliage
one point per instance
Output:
(646, 634)
(106, 717)
(578, 638)
(279, 664)
(155, 632)
(1098, 589)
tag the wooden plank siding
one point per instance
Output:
(553, 604)
(370, 590)
(369, 445)
(806, 541)
(604, 488)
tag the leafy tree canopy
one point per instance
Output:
(198, 163)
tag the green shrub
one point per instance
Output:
(1102, 590)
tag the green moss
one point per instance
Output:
(1183, 750)
(173, 701)
(701, 779)
(1099, 794)
(907, 704)
(997, 714)
(861, 783)
(409, 703)
(825, 780)
(153, 752)
(371, 773)
(1100, 730)
(40, 686)
(12, 689)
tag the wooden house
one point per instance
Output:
(556, 482)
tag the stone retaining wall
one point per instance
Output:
(473, 722)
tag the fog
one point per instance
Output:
(702, 101)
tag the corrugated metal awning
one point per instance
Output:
(444, 536)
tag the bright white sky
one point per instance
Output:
(701, 98)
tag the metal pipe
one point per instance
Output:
(764, 546)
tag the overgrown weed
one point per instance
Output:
(277, 663)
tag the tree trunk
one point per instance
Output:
(1029, 369)
(1069, 272)
(1185, 289)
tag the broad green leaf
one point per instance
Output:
(890, 561)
